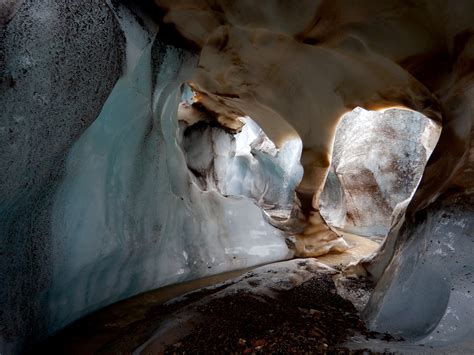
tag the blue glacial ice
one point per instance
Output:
(128, 215)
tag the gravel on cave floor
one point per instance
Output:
(286, 307)
(309, 318)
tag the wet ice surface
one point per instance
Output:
(426, 294)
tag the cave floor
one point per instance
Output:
(291, 306)
(310, 317)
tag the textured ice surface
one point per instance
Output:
(378, 160)
(265, 174)
(60, 61)
(128, 217)
(426, 294)
(117, 212)
(245, 164)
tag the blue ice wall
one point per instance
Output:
(127, 215)
(244, 164)
(97, 202)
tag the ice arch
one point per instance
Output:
(331, 58)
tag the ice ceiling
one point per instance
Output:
(111, 184)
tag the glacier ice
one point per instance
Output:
(60, 61)
(426, 294)
(378, 160)
(245, 164)
(127, 213)
(99, 196)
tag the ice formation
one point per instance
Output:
(103, 193)
(245, 164)
(128, 211)
(426, 295)
(378, 160)
(126, 215)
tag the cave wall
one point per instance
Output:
(426, 293)
(128, 214)
(59, 63)
(97, 202)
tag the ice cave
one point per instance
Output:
(236, 176)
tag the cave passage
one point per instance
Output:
(239, 160)
(177, 176)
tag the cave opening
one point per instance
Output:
(239, 160)
(377, 163)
